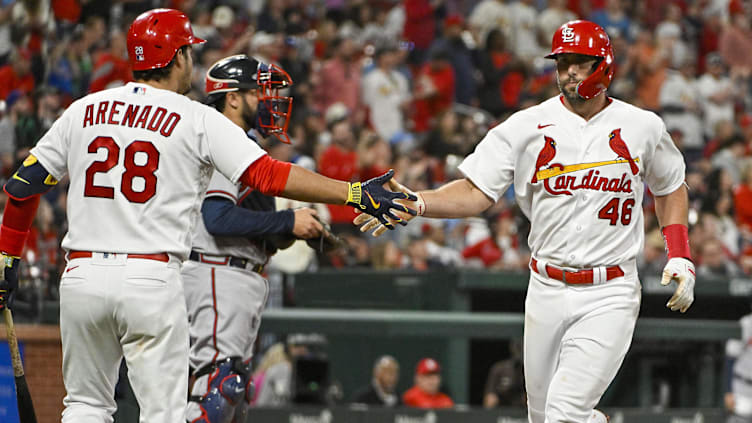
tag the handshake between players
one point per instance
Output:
(678, 269)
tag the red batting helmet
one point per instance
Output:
(155, 36)
(584, 37)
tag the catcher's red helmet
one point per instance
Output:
(156, 35)
(585, 37)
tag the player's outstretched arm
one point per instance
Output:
(672, 210)
(311, 187)
(457, 199)
(273, 177)
(368, 197)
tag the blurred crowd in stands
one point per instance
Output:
(297, 372)
(413, 85)
(287, 371)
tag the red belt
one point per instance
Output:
(87, 254)
(580, 277)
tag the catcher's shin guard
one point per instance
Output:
(217, 392)
(241, 411)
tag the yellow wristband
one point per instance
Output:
(354, 193)
(8, 260)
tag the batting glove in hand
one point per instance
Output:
(682, 271)
(9, 282)
(371, 197)
(367, 222)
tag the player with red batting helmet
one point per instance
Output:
(155, 36)
(139, 158)
(586, 39)
(583, 199)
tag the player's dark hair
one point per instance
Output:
(159, 74)
(220, 103)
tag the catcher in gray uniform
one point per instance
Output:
(238, 231)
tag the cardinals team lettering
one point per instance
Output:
(557, 179)
(134, 116)
(565, 184)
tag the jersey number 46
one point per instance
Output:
(610, 211)
(133, 170)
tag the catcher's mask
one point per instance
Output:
(241, 72)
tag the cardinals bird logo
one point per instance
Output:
(546, 155)
(620, 148)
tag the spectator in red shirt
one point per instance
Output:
(340, 161)
(709, 37)
(434, 91)
(503, 76)
(111, 68)
(425, 393)
(17, 74)
(420, 26)
(338, 79)
(743, 203)
(737, 37)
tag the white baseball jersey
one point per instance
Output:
(741, 384)
(579, 182)
(139, 160)
(384, 93)
(236, 246)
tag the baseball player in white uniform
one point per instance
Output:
(578, 163)
(238, 231)
(738, 398)
(139, 158)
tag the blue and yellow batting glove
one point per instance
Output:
(371, 197)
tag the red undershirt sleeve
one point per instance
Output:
(17, 219)
(267, 175)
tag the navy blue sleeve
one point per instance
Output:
(223, 218)
(728, 372)
(30, 179)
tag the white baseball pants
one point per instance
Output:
(576, 337)
(113, 307)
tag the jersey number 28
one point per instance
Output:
(133, 170)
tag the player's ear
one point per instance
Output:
(181, 56)
(179, 59)
(232, 99)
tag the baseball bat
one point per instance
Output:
(23, 396)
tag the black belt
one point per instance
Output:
(227, 261)
(742, 378)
